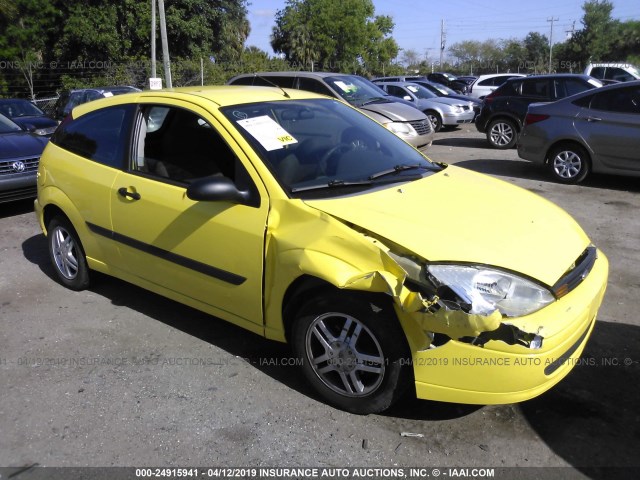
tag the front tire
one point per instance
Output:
(353, 351)
(67, 254)
(569, 163)
(435, 120)
(502, 134)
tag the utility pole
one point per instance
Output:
(165, 45)
(153, 38)
(443, 40)
(551, 40)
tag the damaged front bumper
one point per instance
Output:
(495, 360)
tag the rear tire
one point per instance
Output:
(569, 163)
(353, 351)
(67, 254)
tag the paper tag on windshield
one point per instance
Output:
(267, 131)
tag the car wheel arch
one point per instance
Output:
(504, 116)
(50, 211)
(365, 316)
(295, 296)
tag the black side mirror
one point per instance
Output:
(217, 188)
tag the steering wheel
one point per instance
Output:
(342, 147)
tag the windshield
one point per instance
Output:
(444, 89)
(356, 90)
(19, 108)
(420, 92)
(323, 147)
(634, 70)
(7, 126)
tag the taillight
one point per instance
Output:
(492, 96)
(534, 118)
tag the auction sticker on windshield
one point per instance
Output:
(267, 131)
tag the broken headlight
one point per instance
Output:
(487, 289)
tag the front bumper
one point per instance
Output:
(458, 118)
(17, 186)
(500, 373)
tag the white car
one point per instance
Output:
(613, 72)
(485, 84)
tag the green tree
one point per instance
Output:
(336, 35)
(26, 27)
(536, 47)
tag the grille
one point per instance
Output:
(30, 165)
(422, 127)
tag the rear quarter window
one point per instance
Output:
(101, 136)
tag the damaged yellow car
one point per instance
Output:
(302, 220)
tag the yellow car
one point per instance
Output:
(299, 218)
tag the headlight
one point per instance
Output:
(487, 289)
(401, 128)
(458, 109)
(45, 131)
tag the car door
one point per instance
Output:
(610, 127)
(97, 150)
(209, 252)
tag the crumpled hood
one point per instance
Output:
(462, 216)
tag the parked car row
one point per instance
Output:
(504, 110)
(593, 131)
(596, 134)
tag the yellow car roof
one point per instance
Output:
(223, 95)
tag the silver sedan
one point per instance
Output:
(594, 131)
(441, 111)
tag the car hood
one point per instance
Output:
(448, 101)
(462, 216)
(37, 122)
(393, 111)
(21, 144)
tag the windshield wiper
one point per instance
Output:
(397, 169)
(332, 184)
(374, 100)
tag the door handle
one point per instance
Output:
(593, 119)
(122, 191)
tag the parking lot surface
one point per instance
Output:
(118, 376)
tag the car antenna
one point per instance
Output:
(284, 92)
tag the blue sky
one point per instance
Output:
(417, 22)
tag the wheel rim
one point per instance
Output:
(435, 122)
(344, 354)
(501, 134)
(65, 253)
(567, 164)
